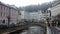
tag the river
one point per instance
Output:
(33, 30)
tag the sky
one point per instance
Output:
(20, 3)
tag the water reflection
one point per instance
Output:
(24, 32)
(33, 30)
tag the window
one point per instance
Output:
(1, 10)
(4, 11)
(43, 11)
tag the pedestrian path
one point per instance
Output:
(57, 28)
(48, 30)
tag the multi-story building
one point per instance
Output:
(45, 14)
(19, 16)
(35, 15)
(55, 10)
(24, 15)
(8, 14)
(32, 15)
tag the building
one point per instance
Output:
(45, 14)
(36, 15)
(24, 15)
(19, 16)
(8, 14)
(55, 10)
(39, 15)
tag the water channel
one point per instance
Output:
(33, 30)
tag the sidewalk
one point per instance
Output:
(57, 28)
(8, 30)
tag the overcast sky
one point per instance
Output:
(24, 2)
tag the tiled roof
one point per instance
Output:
(7, 5)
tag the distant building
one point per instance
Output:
(8, 14)
(45, 15)
(35, 15)
(19, 16)
(24, 15)
(39, 15)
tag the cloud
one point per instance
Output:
(24, 2)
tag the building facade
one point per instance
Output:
(19, 16)
(32, 15)
(8, 14)
(24, 15)
(35, 15)
(55, 10)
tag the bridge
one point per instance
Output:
(21, 27)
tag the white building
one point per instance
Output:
(19, 17)
(55, 10)
(24, 15)
(31, 15)
(34, 15)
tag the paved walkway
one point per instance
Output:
(55, 30)
(8, 30)
(48, 30)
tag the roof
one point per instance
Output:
(56, 3)
(9, 6)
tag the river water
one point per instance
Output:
(33, 30)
